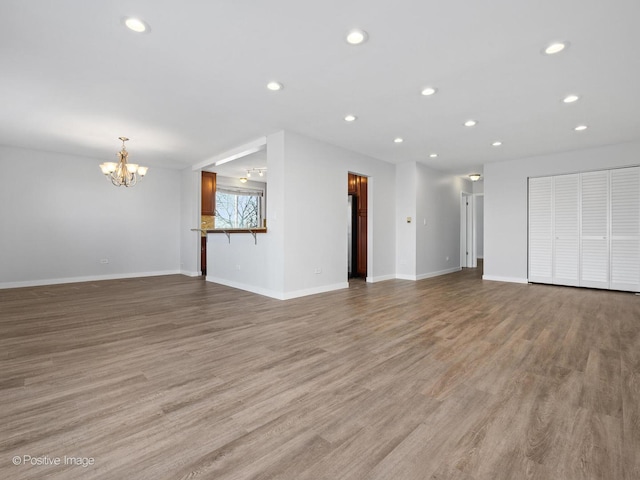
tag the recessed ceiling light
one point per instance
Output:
(580, 128)
(274, 86)
(428, 91)
(571, 98)
(470, 123)
(356, 36)
(433, 155)
(555, 47)
(136, 25)
(398, 140)
(496, 143)
(350, 118)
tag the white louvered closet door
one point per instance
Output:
(566, 229)
(594, 264)
(625, 229)
(541, 230)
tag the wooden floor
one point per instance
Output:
(447, 378)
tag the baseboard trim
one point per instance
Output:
(424, 276)
(244, 286)
(496, 278)
(90, 278)
(315, 290)
(402, 276)
(274, 294)
(190, 274)
(380, 278)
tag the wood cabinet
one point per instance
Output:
(353, 184)
(208, 193)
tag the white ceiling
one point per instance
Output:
(74, 78)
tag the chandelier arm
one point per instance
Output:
(121, 175)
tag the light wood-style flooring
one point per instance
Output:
(447, 378)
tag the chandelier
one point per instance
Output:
(123, 173)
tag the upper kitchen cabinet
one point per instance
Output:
(208, 193)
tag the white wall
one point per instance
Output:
(189, 218)
(406, 206)
(255, 265)
(505, 202)
(307, 231)
(240, 261)
(60, 216)
(479, 220)
(438, 205)
(430, 244)
(316, 186)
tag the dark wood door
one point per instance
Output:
(358, 187)
(203, 255)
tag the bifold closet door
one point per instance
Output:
(584, 229)
(541, 230)
(566, 229)
(594, 262)
(625, 229)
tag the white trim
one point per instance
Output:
(423, 276)
(190, 274)
(244, 286)
(233, 154)
(315, 290)
(401, 276)
(381, 278)
(277, 295)
(496, 278)
(92, 278)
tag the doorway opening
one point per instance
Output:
(357, 226)
(471, 230)
(468, 258)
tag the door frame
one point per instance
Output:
(468, 251)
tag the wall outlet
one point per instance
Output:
(104, 260)
(238, 267)
(317, 271)
(447, 259)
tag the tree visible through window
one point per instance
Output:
(236, 209)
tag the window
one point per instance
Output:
(238, 207)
